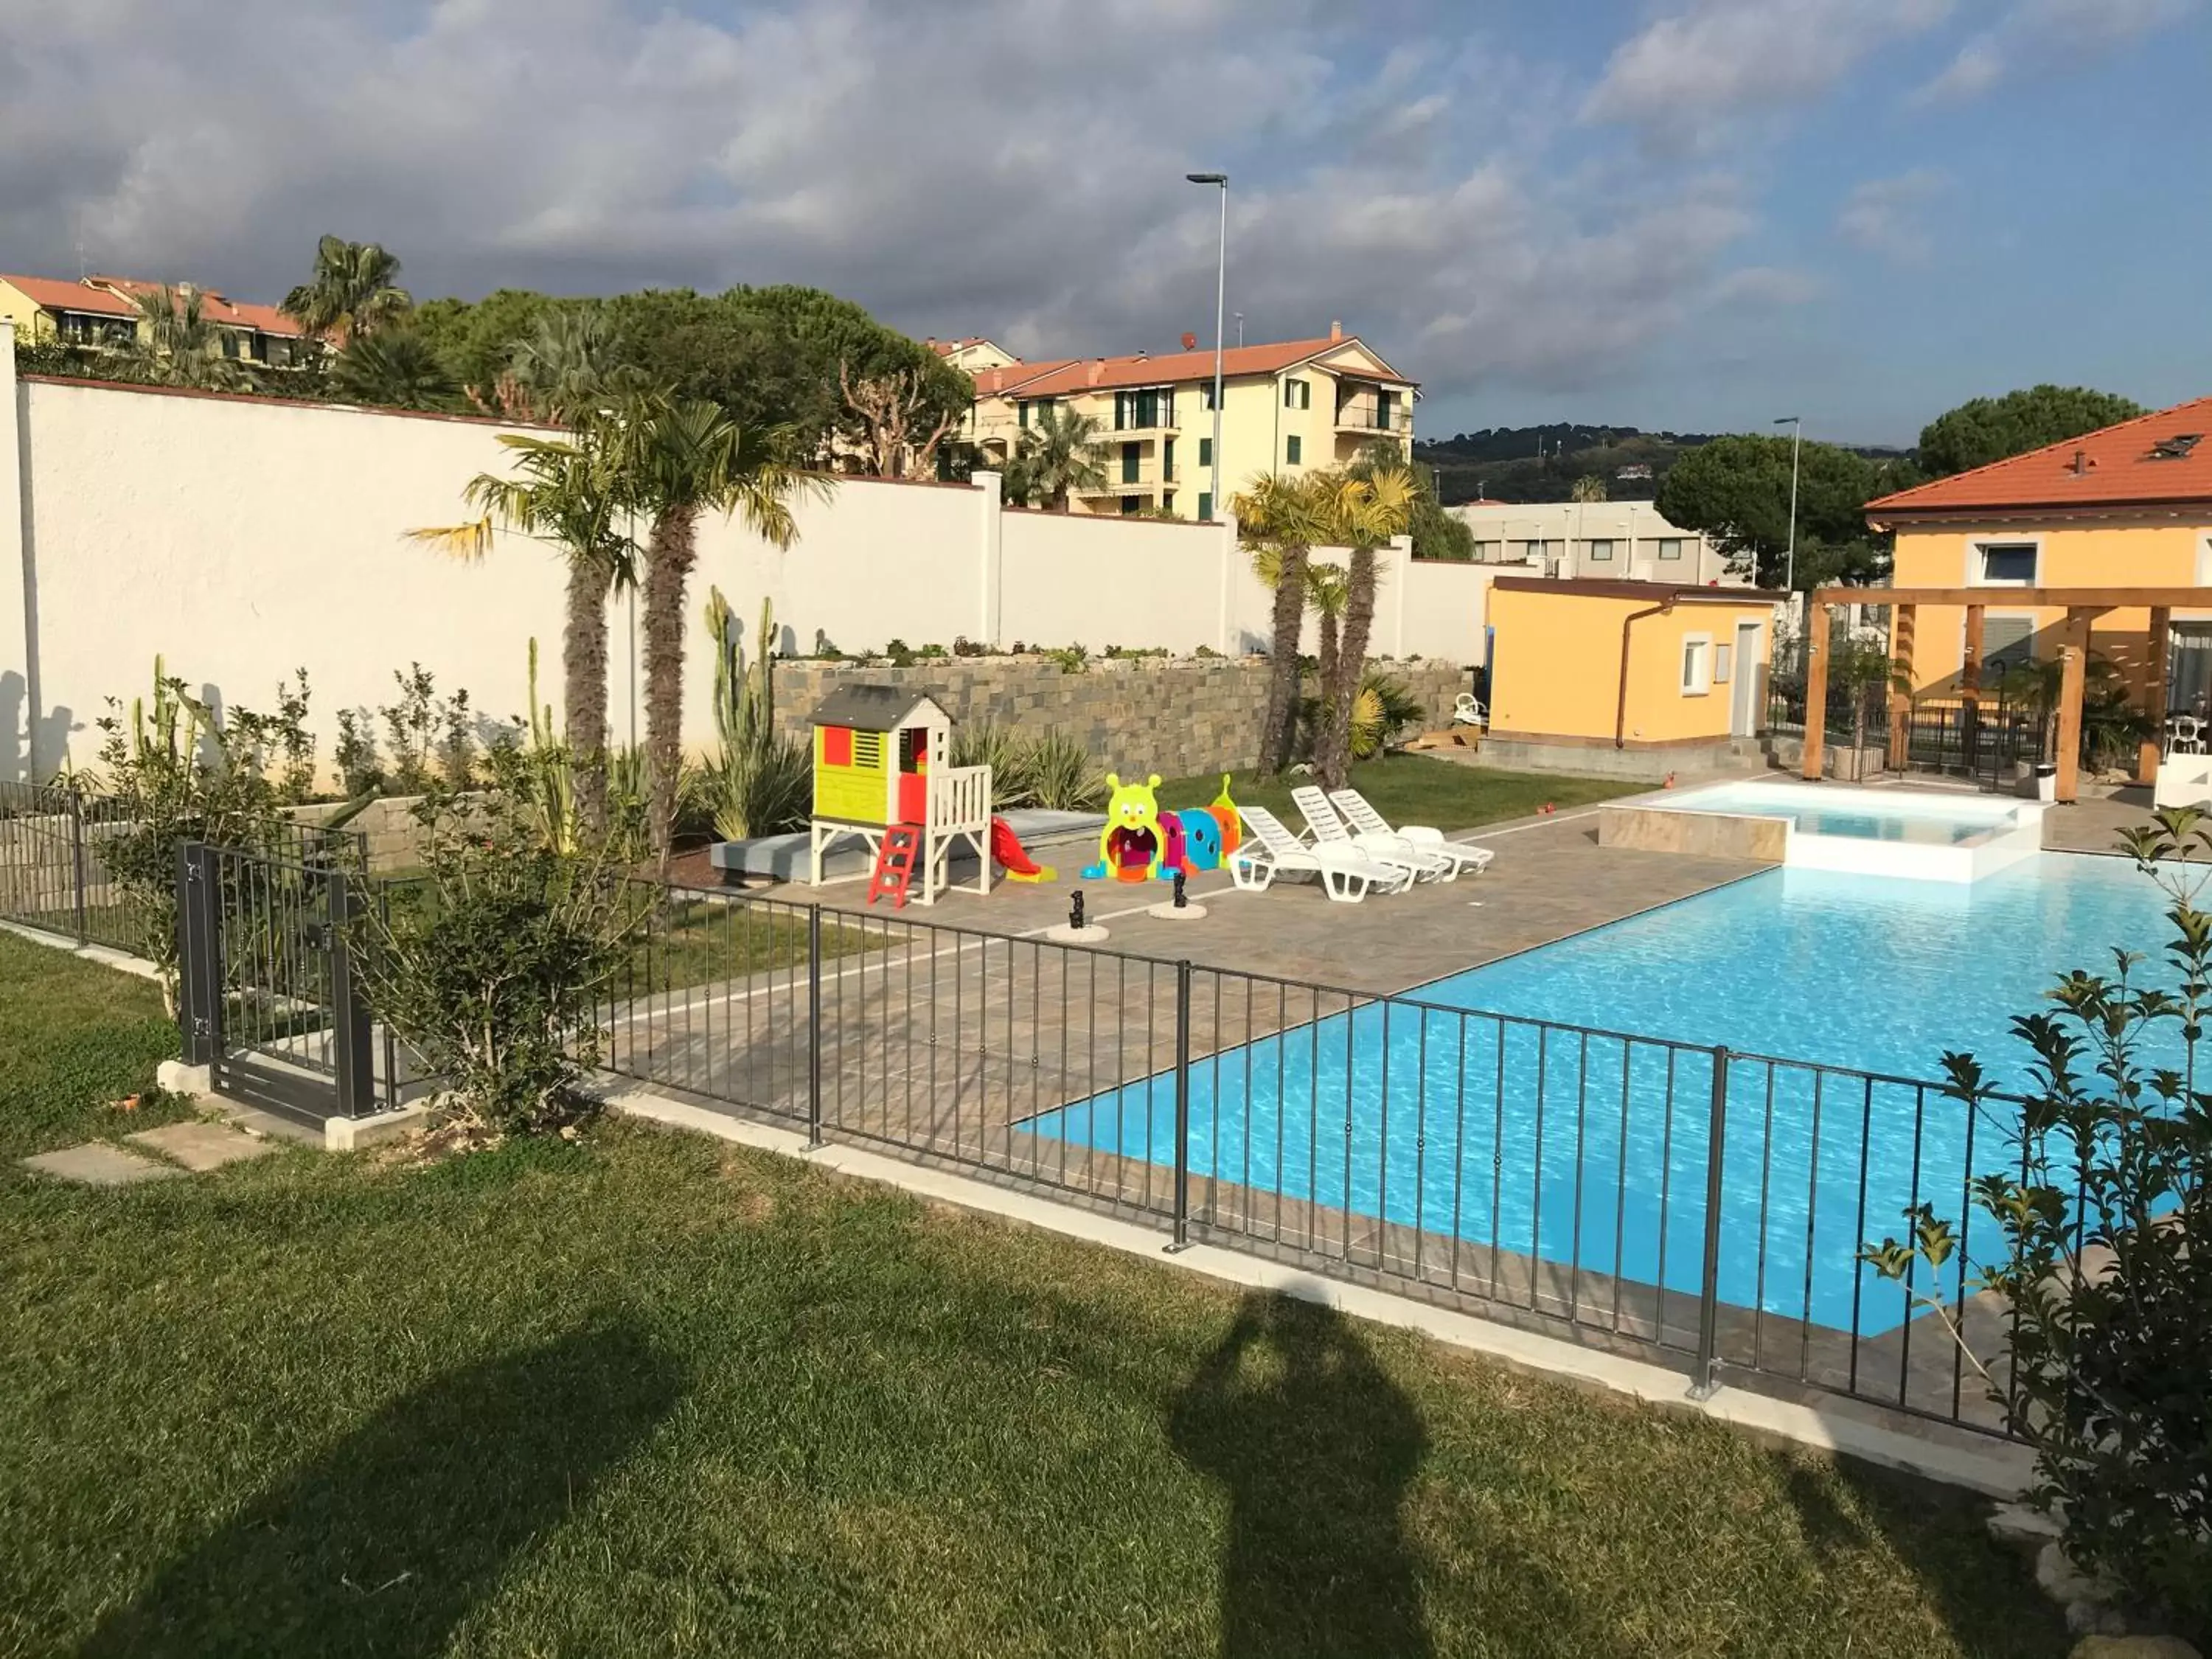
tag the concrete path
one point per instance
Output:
(193, 1147)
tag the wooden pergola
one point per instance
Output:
(2081, 604)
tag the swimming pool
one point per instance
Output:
(1926, 835)
(1497, 1126)
(1932, 820)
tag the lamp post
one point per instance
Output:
(1220, 180)
(1797, 425)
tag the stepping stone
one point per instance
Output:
(198, 1146)
(96, 1163)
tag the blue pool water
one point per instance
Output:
(1861, 814)
(1492, 1128)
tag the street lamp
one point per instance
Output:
(1220, 304)
(1797, 425)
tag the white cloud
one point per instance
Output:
(2038, 36)
(1694, 69)
(1010, 167)
(1888, 215)
(1767, 286)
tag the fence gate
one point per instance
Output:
(269, 999)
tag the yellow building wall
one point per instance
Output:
(1555, 666)
(30, 319)
(2146, 553)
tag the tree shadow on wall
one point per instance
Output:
(384, 1544)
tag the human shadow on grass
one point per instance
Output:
(382, 1545)
(1317, 1447)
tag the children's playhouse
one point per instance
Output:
(882, 772)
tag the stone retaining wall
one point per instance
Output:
(1179, 717)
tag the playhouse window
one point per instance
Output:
(1697, 665)
(837, 745)
(914, 748)
(868, 750)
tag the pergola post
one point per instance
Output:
(1970, 686)
(2073, 665)
(1902, 621)
(2157, 665)
(1816, 685)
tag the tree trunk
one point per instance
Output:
(1333, 752)
(1283, 663)
(673, 549)
(584, 687)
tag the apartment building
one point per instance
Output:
(1622, 541)
(106, 311)
(1287, 406)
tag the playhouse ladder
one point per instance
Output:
(895, 864)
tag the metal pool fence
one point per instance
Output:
(55, 847)
(1640, 1192)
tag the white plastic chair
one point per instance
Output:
(1328, 829)
(1467, 710)
(1366, 820)
(1345, 873)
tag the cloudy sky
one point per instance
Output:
(1687, 213)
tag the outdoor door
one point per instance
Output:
(1743, 714)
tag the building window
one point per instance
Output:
(1143, 409)
(2007, 642)
(1205, 396)
(1167, 461)
(2005, 564)
(1206, 452)
(1132, 463)
(1486, 552)
(1298, 394)
(1532, 551)
(1292, 448)
(1167, 500)
(1205, 506)
(1670, 547)
(1697, 665)
(1132, 505)
(1600, 552)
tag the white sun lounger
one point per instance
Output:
(1365, 818)
(1328, 829)
(1344, 872)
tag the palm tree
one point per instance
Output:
(682, 458)
(1362, 509)
(562, 366)
(398, 368)
(354, 290)
(1058, 456)
(1588, 488)
(180, 346)
(1276, 518)
(568, 492)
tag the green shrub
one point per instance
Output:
(986, 743)
(493, 972)
(1061, 775)
(2103, 1201)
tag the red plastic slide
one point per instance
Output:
(1008, 852)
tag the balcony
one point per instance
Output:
(1367, 414)
(1147, 477)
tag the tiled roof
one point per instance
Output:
(1054, 378)
(54, 294)
(221, 309)
(2165, 457)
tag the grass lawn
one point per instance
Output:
(1418, 789)
(650, 1394)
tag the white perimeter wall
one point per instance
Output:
(242, 539)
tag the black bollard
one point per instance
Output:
(1180, 899)
(1075, 911)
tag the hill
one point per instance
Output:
(1541, 463)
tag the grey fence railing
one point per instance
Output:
(55, 847)
(270, 989)
(1666, 1197)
